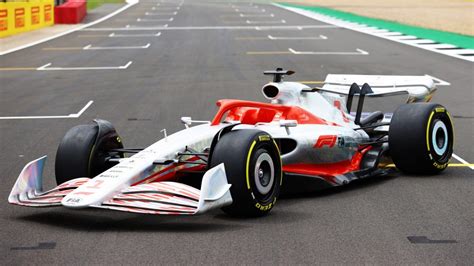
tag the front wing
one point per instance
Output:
(168, 198)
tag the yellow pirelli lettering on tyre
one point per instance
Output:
(264, 138)
(247, 174)
(428, 131)
(440, 110)
(440, 166)
(263, 207)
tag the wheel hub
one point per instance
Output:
(264, 173)
(439, 138)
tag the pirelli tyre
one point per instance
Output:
(421, 138)
(253, 167)
(84, 150)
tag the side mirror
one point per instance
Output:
(288, 123)
(186, 120)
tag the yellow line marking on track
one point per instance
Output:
(61, 48)
(449, 165)
(461, 165)
(268, 53)
(311, 82)
(17, 68)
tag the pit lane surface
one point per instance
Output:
(209, 51)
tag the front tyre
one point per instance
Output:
(85, 149)
(253, 167)
(421, 138)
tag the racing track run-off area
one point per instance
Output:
(155, 61)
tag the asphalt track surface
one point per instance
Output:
(183, 72)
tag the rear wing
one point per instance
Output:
(418, 88)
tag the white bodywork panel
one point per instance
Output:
(418, 88)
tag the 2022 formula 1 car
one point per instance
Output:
(305, 139)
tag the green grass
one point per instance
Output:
(463, 41)
(91, 4)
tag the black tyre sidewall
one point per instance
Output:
(74, 153)
(82, 153)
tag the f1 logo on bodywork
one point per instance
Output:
(326, 140)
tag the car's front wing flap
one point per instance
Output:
(152, 198)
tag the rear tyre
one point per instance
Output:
(421, 138)
(253, 167)
(84, 150)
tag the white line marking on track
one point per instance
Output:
(130, 3)
(160, 14)
(439, 46)
(76, 115)
(320, 37)
(154, 20)
(250, 12)
(82, 110)
(379, 31)
(421, 41)
(90, 47)
(114, 35)
(248, 9)
(256, 16)
(403, 37)
(44, 66)
(458, 52)
(260, 28)
(167, 8)
(359, 52)
(265, 22)
(391, 33)
(48, 68)
(462, 161)
(218, 28)
(129, 26)
(438, 82)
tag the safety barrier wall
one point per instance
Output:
(71, 12)
(16, 17)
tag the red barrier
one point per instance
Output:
(71, 12)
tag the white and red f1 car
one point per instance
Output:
(305, 139)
